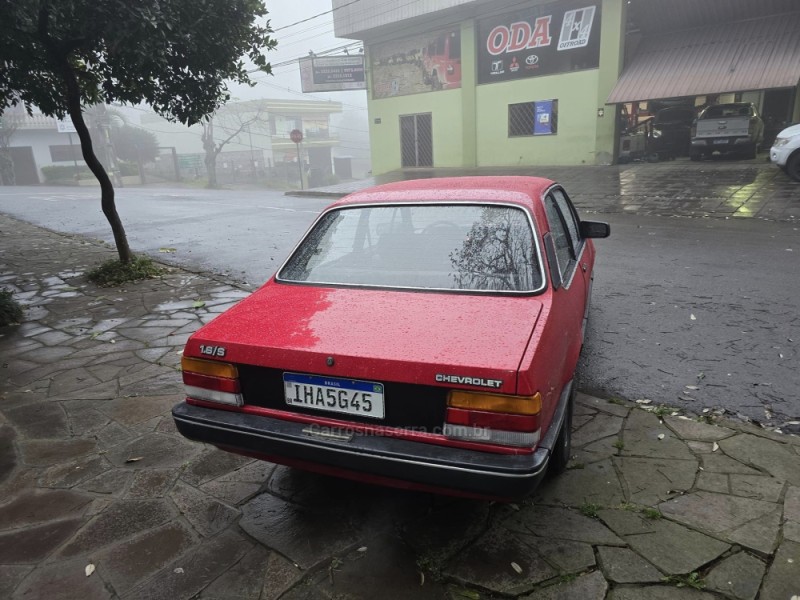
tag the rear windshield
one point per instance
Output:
(446, 247)
(723, 111)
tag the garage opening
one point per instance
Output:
(671, 76)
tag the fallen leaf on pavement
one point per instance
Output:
(136, 459)
(89, 569)
(167, 250)
(516, 567)
(661, 436)
(715, 447)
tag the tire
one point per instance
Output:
(562, 449)
(751, 152)
(793, 166)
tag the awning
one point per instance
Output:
(756, 54)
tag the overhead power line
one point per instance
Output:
(327, 12)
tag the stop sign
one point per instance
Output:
(296, 135)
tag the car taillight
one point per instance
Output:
(493, 418)
(211, 381)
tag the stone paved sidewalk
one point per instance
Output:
(92, 472)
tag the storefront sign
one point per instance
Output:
(423, 63)
(65, 126)
(332, 73)
(540, 40)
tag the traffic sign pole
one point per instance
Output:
(297, 136)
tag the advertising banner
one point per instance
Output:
(540, 40)
(543, 117)
(332, 73)
(422, 63)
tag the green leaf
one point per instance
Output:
(198, 304)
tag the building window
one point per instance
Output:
(65, 153)
(533, 118)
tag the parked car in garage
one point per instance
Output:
(423, 334)
(785, 151)
(671, 132)
(734, 127)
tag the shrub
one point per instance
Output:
(59, 173)
(10, 310)
(112, 272)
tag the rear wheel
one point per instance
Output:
(793, 166)
(563, 446)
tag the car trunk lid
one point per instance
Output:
(468, 341)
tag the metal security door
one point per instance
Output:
(416, 140)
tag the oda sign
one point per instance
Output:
(541, 40)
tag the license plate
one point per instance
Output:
(725, 141)
(334, 394)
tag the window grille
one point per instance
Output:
(533, 118)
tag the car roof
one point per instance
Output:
(526, 191)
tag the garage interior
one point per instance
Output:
(684, 55)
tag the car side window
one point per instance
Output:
(561, 236)
(570, 218)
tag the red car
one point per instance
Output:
(423, 334)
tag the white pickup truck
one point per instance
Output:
(734, 127)
(785, 151)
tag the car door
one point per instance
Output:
(582, 250)
(570, 299)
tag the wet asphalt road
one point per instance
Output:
(688, 312)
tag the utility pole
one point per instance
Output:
(252, 158)
(297, 136)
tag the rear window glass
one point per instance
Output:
(722, 111)
(447, 247)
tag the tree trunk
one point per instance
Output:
(211, 170)
(106, 187)
(211, 154)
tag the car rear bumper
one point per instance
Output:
(366, 456)
(722, 143)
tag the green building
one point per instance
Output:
(503, 83)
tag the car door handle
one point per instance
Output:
(584, 266)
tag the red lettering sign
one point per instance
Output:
(520, 34)
(541, 33)
(497, 40)
(519, 37)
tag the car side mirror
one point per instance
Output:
(594, 229)
(552, 261)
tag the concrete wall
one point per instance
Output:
(445, 107)
(40, 141)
